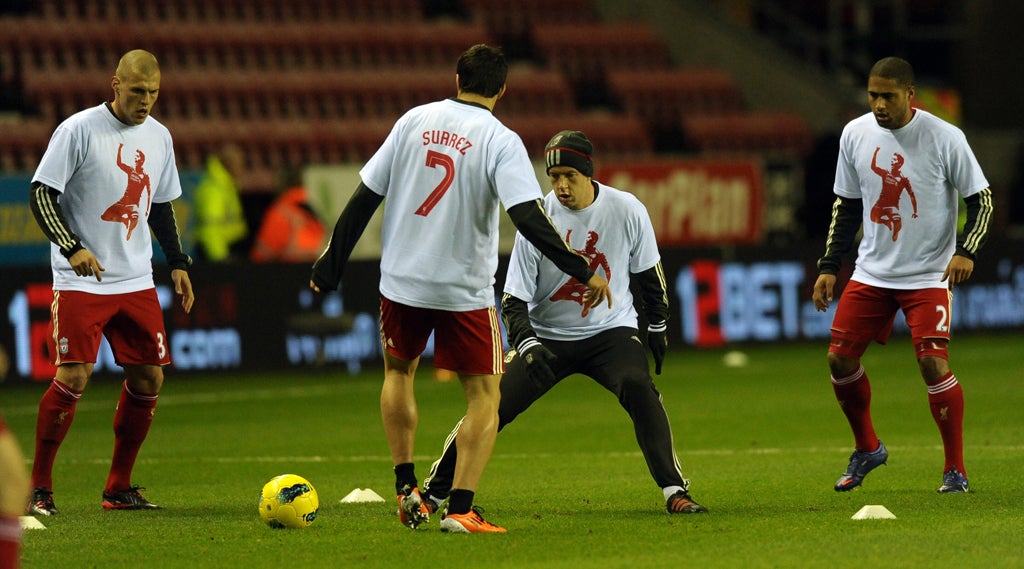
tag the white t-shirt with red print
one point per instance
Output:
(109, 175)
(910, 180)
(615, 234)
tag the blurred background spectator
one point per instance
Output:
(221, 229)
(291, 232)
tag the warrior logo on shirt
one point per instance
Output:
(126, 210)
(887, 209)
(573, 289)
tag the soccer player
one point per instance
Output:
(913, 269)
(553, 339)
(88, 201)
(13, 493)
(443, 170)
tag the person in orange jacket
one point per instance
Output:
(291, 232)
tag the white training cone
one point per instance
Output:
(29, 522)
(361, 495)
(874, 513)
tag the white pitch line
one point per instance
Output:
(89, 404)
(522, 456)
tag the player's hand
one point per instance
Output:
(960, 269)
(183, 288)
(538, 360)
(657, 341)
(313, 286)
(85, 264)
(823, 290)
(597, 291)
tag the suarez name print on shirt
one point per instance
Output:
(573, 289)
(126, 209)
(886, 210)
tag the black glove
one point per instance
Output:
(538, 360)
(657, 341)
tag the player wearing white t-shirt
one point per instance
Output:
(900, 174)
(556, 334)
(107, 177)
(445, 170)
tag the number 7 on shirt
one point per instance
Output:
(436, 159)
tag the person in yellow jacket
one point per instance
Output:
(220, 220)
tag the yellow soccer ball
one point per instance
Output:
(289, 501)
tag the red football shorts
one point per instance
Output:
(465, 342)
(132, 322)
(866, 313)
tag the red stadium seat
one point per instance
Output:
(586, 51)
(612, 135)
(533, 91)
(192, 11)
(511, 20)
(767, 132)
(23, 143)
(664, 96)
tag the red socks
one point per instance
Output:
(132, 419)
(854, 396)
(10, 541)
(56, 411)
(947, 402)
(945, 397)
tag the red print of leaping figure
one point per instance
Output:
(126, 210)
(573, 289)
(887, 209)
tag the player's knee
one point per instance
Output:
(75, 376)
(144, 378)
(842, 366)
(933, 368)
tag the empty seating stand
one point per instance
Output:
(273, 144)
(45, 46)
(613, 135)
(510, 21)
(321, 81)
(232, 11)
(241, 94)
(770, 133)
(23, 142)
(664, 96)
(585, 52)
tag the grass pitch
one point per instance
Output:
(762, 445)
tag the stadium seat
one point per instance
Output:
(766, 132)
(192, 11)
(510, 21)
(535, 91)
(23, 143)
(612, 135)
(586, 51)
(664, 96)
